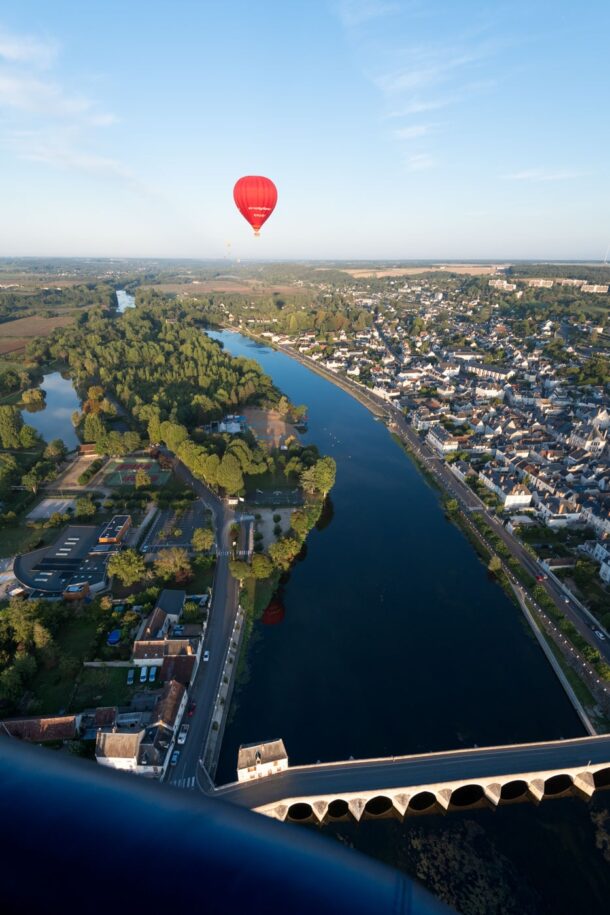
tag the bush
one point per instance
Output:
(277, 518)
(90, 472)
(277, 530)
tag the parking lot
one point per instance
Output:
(173, 528)
(48, 507)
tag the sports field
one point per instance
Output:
(123, 473)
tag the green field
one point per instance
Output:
(53, 687)
(19, 538)
(100, 686)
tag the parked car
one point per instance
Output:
(206, 655)
(175, 757)
(182, 733)
(144, 674)
(178, 630)
(130, 676)
(152, 676)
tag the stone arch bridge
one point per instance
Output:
(430, 783)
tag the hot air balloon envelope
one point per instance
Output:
(255, 198)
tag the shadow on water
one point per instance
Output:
(327, 514)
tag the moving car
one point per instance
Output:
(191, 709)
(182, 733)
(206, 655)
(600, 635)
(175, 757)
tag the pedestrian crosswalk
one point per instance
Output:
(188, 783)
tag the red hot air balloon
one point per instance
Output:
(255, 198)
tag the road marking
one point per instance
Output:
(188, 783)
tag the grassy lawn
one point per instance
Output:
(264, 591)
(592, 592)
(103, 686)
(20, 538)
(203, 579)
(270, 482)
(53, 688)
(580, 688)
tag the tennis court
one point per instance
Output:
(123, 473)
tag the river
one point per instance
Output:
(125, 301)
(55, 419)
(396, 640)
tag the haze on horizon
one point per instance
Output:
(396, 130)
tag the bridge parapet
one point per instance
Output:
(438, 797)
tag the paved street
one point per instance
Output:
(412, 771)
(220, 626)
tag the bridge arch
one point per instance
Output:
(601, 778)
(467, 795)
(379, 806)
(338, 809)
(558, 784)
(422, 802)
(300, 812)
(514, 790)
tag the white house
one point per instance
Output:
(256, 760)
(442, 440)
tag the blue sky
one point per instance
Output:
(407, 129)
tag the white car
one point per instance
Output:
(206, 655)
(600, 635)
(175, 757)
(182, 734)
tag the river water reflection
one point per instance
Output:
(394, 639)
(125, 300)
(55, 420)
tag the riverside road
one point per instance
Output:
(221, 618)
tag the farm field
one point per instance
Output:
(202, 287)
(34, 326)
(13, 345)
(463, 269)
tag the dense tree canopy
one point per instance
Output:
(128, 566)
